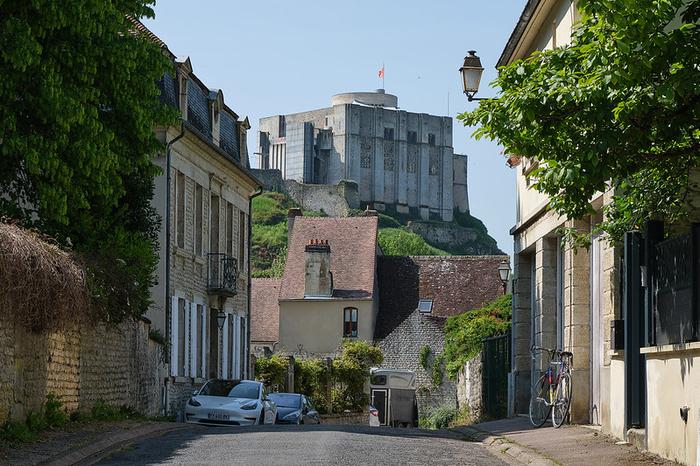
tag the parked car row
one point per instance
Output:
(246, 402)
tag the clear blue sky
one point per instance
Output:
(280, 56)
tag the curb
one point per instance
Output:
(98, 450)
(505, 446)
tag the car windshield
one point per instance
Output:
(286, 400)
(231, 388)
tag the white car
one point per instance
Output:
(231, 403)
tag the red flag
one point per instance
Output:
(381, 72)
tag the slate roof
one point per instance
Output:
(456, 284)
(265, 309)
(353, 242)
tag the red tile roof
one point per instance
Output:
(265, 309)
(353, 242)
(456, 284)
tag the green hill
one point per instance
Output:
(270, 234)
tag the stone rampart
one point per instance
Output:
(81, 365)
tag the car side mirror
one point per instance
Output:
(305, 410)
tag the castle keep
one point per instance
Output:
(399, 159)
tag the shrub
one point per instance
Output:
(465, 333)
(14, 432)
(106, 412)
(54, 414)
(272, 371)
(311, 377)
(350, 371)
(437, 373)
(439, 418)
(423, 357)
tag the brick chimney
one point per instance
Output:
(318, 279)
(291, 215)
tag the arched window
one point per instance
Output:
(350, 322)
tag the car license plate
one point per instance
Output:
(218, 416)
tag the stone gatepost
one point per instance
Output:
(577, 323)
(521, 332)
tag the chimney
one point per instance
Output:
(291, 214)
(318, 279)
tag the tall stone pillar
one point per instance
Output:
(545, 315)
(521, 331)
(577, 323)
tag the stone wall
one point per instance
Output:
(270, 178)
(120, 366)
(469, 388)
(334, 200)
(401, 349)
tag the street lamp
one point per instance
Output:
(471, 72)
(504, 272)
(221, 319)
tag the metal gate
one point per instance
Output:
(495, 362)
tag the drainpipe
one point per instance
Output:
(168, 163)
(250, 284)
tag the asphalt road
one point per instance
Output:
(303, 445)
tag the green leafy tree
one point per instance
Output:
(78, 105)
(619, 107)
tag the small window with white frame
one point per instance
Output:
(350, 322)
(425, 306)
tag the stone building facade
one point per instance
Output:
(328, 291)
(633, 387)
(417, 295)
(400, 160)
(201, 301)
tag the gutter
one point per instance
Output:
(250, 280)
(168, 164)
(518, 32)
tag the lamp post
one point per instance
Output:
(221, 319)
(471, 72)
(504, 273)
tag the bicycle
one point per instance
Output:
(552, 392)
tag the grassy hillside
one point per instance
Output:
(270, 235)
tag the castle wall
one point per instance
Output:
(397, 158)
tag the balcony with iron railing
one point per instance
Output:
(222, 271)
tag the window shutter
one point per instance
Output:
(204, 342)
(174, 329)
(236, 346)
(244, 368)
(224, 352)
(194, 328)
(186, 366)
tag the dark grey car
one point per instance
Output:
(293, 408)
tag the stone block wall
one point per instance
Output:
(80, 365)
(401, 349)
(469, 388)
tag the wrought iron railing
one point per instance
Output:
(222, 271)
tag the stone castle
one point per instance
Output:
(400, 160)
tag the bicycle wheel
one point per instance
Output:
(539, 408)
(560, 410)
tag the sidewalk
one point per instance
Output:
(81, 442)
(568, 445)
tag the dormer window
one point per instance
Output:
(425, 306)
